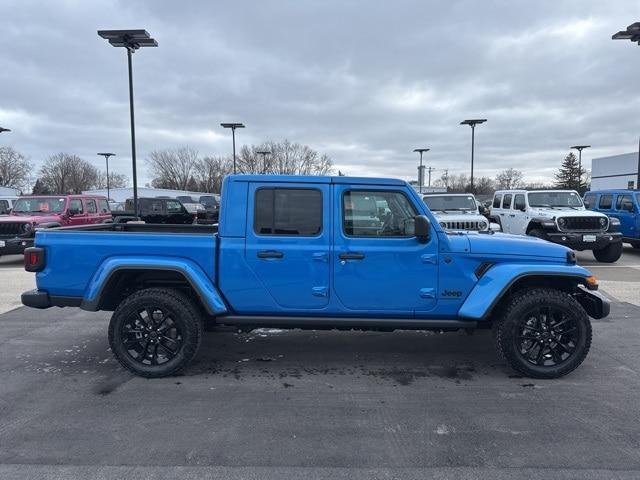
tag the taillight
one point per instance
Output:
(34, 259)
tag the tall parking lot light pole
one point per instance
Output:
(580, 148)
(132, 40)
(106, 158)
(421, 168)
(264, 154)
(233, 127)
(631, 33)
(472, 123)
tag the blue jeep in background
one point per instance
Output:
(621, 204)
(318, 253)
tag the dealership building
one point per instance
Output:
(616, 171)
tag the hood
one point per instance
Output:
(37, 219)
(456, 213)
(563, 212)
(518, 245)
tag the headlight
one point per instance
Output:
(603, 222)
(482, 225)
(27, 228)
(443, 224)
(562, 222)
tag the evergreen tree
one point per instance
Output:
(570, 176)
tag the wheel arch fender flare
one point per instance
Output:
(497, 280)
(209, 295)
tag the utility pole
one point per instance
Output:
(429, 170)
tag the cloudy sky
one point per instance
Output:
(363, 81)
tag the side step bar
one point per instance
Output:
(344, 322)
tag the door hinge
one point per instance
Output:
(319, 291)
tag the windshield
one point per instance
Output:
(210, 201)
(39, 205)
(448, 202)
(554, 199)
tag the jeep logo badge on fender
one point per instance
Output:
(452, 293)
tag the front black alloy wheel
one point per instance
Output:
(155, 332)
(543, 333)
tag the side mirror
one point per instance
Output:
(523, 209)
(628, 207)
(422, 228)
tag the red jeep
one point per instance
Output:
(18, 229)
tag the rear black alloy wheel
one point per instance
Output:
(543, 333)
(155, 332)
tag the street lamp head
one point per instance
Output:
(130, 39)
(232, 125)
(580, 147)
(420, 150)
(2, 129)
(631, 33)
(473, 121)
(107, 155)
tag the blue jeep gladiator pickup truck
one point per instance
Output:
(317, 253)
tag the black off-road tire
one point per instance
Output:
(609, 254)
(509, 319)
(183, 312)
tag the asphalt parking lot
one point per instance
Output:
(287, 404)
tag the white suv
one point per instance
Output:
(560, 217)
(457, 211)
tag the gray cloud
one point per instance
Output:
(365, 82)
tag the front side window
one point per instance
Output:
(605, 202)
(506, 203)
(623, 200)
(91, 206)
(76, 205)
(590, 201)
(377, 214)
(518, 202)
(173, 206)
(288, 211)
(497, 200)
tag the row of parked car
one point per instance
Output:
(21, 216)
(602, 222)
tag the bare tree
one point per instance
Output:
(116, 180)
(173, 168)
(509, 178)
(210, 171)
(15, 169)
(65, 173)
(286, 158)
(484, 186)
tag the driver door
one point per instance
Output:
(378, 264)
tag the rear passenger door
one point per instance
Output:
(288, 242)
(92, 210)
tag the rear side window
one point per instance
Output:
(91, 206)
(496, 201)
(506, 202)
(590, 201)
(518, 202)
(623, 200)
(104, 206)
(605, 202)
(288, 211)
(76, 205)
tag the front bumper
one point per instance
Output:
(14, 245)
(576, 241)
(595, 304)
